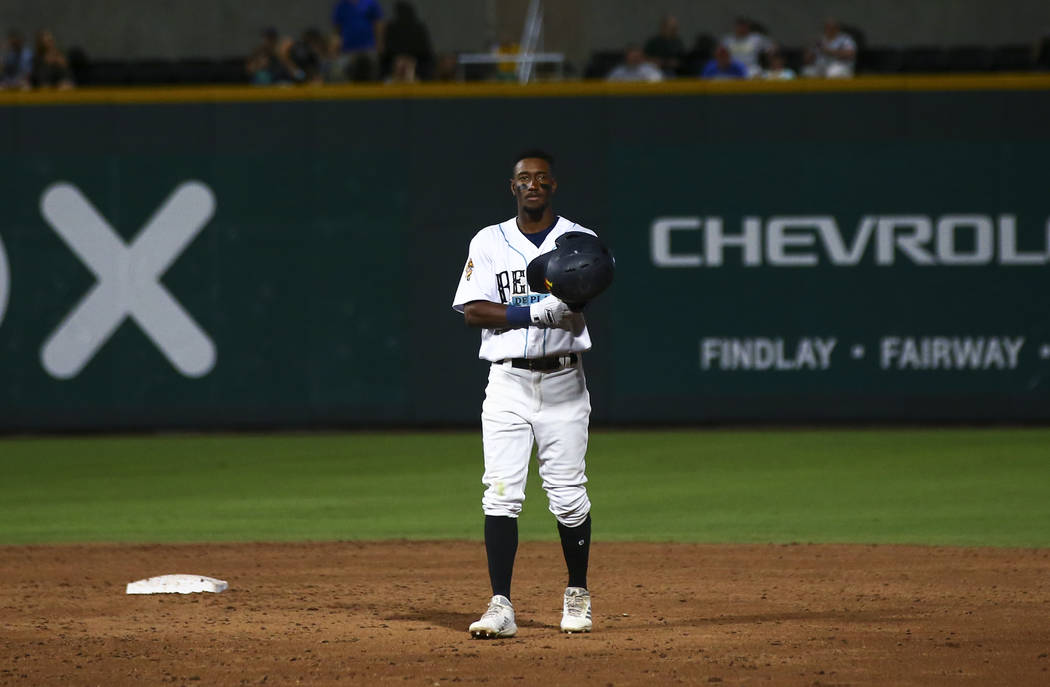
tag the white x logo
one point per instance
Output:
(128, 280)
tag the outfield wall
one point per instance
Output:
(877, 250)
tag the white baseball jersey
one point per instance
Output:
(495, 271)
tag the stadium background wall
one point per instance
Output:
(118, 29)
(340, 228)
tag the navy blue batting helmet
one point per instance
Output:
(576, 271)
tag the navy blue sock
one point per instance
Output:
(501, 545)
(576, 545)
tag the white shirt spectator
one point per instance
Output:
(747, 49)
(635, 68)
(836, 67)
(782, 74)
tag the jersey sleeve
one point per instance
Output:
(477, 281)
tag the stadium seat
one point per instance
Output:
(106, 73)
(1012, 58)
(601, 63)
(479, 72)
(162, 72)
(879, 61)
(151, 72)
(195, 71)
(923, 59)
(230, 70)
(968, 58)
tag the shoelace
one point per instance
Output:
(493, 611)
(575, 606)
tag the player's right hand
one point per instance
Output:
(551, 312)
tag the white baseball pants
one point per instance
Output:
(554, 409)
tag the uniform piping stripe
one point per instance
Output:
(525, 352)
(500, 227)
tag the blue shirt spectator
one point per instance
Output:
(357, 22)
(16, 65)
(723, 66)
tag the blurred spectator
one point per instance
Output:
(836, 52)
(635, 67)
(16, 67)
(359, 24)
(746, 45)
(310, 56)
(703, 49)
(270, 62)
(407, 35)
(810, 68)
(666, 49)
(50, 66)
(723, 66)
(507, 45)
(446, 68)
(776, 68)
(404, 70)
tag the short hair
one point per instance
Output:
(533, 153)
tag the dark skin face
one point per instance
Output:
(533, 185)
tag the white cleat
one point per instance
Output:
(576, 610)
(498, 620)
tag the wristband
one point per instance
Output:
(518, 316)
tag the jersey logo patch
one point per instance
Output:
(470, 268)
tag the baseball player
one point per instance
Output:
(536, 392)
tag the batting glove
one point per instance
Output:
(551, 312)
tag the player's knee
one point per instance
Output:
(570, 506)
(506, 510)
(502, 501)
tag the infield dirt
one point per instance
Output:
(397, 613)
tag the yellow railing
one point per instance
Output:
(197, 94)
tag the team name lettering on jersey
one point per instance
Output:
(511, 283)
(527, 299)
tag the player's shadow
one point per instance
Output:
(442, 617)
(453, 620)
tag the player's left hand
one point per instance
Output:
(551, 312)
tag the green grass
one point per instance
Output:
(973, 487)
